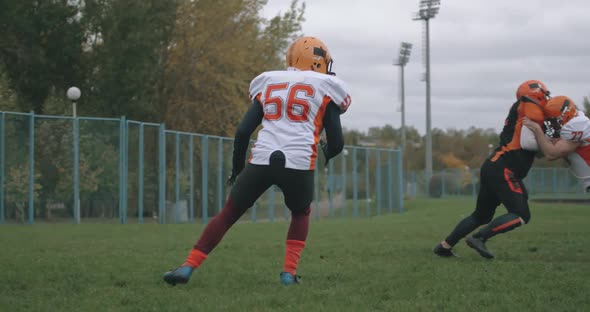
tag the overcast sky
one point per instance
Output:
(480, 52)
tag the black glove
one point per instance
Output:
(232, 179)
(324, 147)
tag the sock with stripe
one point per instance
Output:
(195, 258)
(296, 237)
(501, 224)
(292, 255)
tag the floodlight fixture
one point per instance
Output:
(404, 57)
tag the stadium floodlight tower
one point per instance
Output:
(428, 10)
(404, 57)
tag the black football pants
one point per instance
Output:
(297, 185)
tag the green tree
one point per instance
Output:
(7, 95)
(209, 68)
(126, 47)
(41, 48)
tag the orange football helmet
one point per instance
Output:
(560, 109)
(534, 90)
(310, 53)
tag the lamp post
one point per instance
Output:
(428, 10)
(404, 57)
(74, 94)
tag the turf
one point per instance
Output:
(366, 264)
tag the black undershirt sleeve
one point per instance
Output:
(247, 126)
(333, 130)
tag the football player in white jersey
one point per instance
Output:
(574, 136)
(293, 106)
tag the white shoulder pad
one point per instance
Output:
(257, 85)
(338, 91)
(527, 140)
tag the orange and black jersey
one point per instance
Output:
(510, 152)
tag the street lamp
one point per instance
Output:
(404, 57)
(74, 94)
(490, 148)
(428, 10)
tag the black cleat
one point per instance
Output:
(441, 251)
(480, 246)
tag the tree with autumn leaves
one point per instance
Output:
(186, 63)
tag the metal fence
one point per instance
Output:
(86, 169)
(540, 183)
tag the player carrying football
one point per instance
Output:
(573, 128)
(501, 177)
(293, 106)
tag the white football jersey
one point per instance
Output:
(294, 103)
(527, 140)
(578, 130)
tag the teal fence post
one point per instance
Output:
(126, 166)
(191, 178)
(76, 170)
(121, 152)
(367, 186)
(400, 178)
(473, 182)
(378, 181)
(162, 173)
(443, 181)
(331, 188)
(543, 179)
(122, 170)
(271, 204)
(316, 192)
(205, 186)
(2, 152)
(220, 174)
(355, 190)
(390, 180)
(176, 177)
(140, 175)
(32, 167)
(344, 201)
(286, 210)
(554, 178)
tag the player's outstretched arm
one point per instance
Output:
(251, 120)
(334, 136)
(551, 150)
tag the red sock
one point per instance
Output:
(195, 258)
(294, 248)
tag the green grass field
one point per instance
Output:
(377, 264)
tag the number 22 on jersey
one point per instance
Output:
(296, 108)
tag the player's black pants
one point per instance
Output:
(499, 185)
(297, 185)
